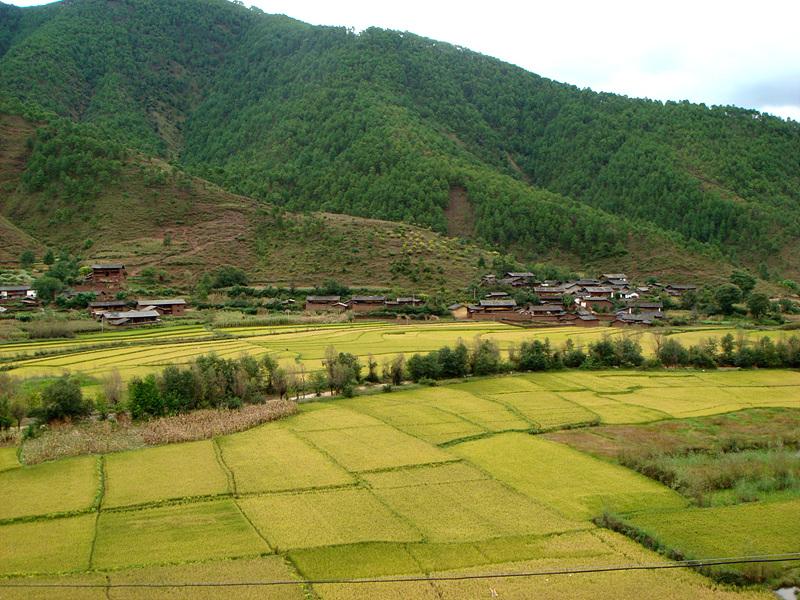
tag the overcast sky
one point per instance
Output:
(718, 52)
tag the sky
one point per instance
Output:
(712, 51)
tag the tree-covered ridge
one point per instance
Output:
(385, 124)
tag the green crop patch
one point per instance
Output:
(186, 532)
(271, 458)
(268, 568)
(427, 475)
(59, 593)
(8, 459)
(672, 584)
(50, 546)
(326, 417)
(612, 409)
(744, 529)
(154, 474)
(572, 483)
(499, 385)
(407, 413)
(49, 488)
(367, 559)
(376, 447)
(472, 510)
(546, 409)
(402, 590)
(324, 518)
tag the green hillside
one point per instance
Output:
(392, 126)
(65, 189)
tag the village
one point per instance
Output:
(612, 299)
(104, 282)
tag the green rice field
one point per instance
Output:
(452, 479)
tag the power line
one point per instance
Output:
(707, 562)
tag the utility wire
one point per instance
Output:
(706, 562)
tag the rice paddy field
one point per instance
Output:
(138, 352)
(452, 480)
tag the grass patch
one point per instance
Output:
(171, 534)
(569, 482)
(269, 459)
(325, 518)
(156, 474)
(50, 488)
(51, 546)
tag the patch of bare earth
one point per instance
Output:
(460, 214)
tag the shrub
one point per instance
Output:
(63, 400)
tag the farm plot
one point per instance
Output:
(675, 584)
(50, 488)
(324, 518)
(49, 546)
(611, 409)
(181, 533)
(428, 422)
(469, 510)
(569, 482)
(328, 417)
(268, 568)
(272, 458)
(744, 529)
(546, 409)
(163, 473)
(46, 593)
(373, 448)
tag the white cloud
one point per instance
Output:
(713, 51)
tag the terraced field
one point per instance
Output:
(443, 480)
(138, 352)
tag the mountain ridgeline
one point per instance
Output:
(387, 125)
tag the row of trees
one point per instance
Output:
(730, 352)
(483, 357)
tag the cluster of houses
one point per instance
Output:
(359, 304)
(611, 299)
(104, 281)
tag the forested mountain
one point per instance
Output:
(391, 125)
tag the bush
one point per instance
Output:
(63, 400)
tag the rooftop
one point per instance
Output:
(498, 303)
(171, 302)
(131, 314)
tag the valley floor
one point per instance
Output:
(440, 480)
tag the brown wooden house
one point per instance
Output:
(98, 307)
(365, 304)
(111, 275)
(324, 303)
(174, 307)
(10, 293)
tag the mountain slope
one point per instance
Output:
(146, 213)
(387, 124)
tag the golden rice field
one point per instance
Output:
(442, 480)
(138, 352)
